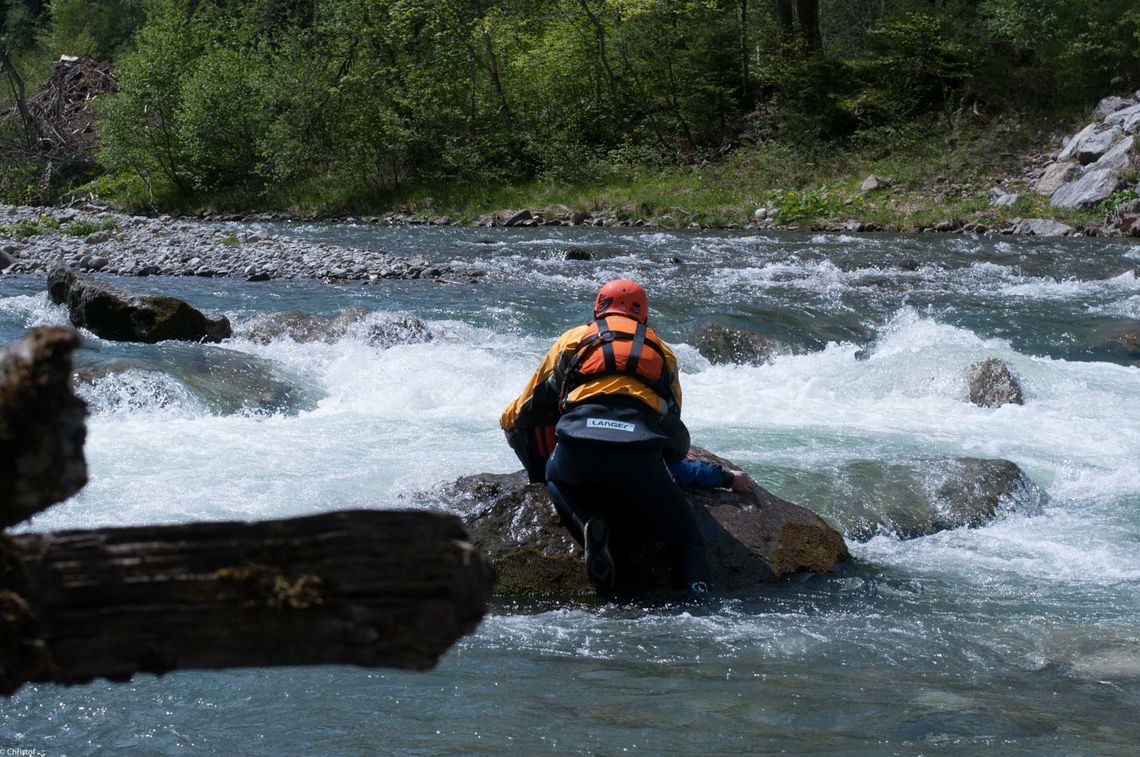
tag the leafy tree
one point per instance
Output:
(99, 30)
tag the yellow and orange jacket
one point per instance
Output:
(541, 402)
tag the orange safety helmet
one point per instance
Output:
(622, 296)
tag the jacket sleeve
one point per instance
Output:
(701, 474)
(537, 405)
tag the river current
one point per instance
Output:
(1020, 637)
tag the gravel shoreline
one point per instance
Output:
(100, 240)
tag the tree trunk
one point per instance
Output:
(744, 86)
(493, 71)
(785, 16)
(365, 587)
(31, 132)
(807, 13)
(603, 57)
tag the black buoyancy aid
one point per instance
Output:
(619, 346)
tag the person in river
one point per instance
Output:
(599, 422)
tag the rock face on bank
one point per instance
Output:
(120, 316)
(41, 425)
(749, 539)
(1098, 160)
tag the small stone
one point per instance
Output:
(578, 253)
(259, 276)
(99, 237)
(98, 263)
(871, 183)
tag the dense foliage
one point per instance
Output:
(374, 95)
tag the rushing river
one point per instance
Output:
(1019, 637)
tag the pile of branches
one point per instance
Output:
(63, 110)
(57, 123)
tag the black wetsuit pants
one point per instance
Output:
(626, 485)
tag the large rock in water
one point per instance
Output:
(41, 425)
(120, 316)
(992, 384)
(720, 344)
(920, 498)
(750, 539)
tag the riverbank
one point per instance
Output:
(93, 238)
(970, 181)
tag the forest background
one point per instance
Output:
(682, 111)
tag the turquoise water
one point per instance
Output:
(1019, 637)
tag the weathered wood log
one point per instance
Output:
(41, 425)
(369, 588)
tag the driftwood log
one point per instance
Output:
(366, 587)
(41, 425)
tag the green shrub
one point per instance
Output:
(793, 206)
(82, 227)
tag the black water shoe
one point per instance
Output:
(599, 564)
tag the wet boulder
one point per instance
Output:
(377, 329)
(120, 316)
(720, 344)
(992, 384)
(920, 498)
(750, 539)
(41, 425)
(224, 381)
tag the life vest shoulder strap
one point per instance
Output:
(603, 337)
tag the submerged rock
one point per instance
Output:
(224, 381)
(750, 539)
(910, 500)
(120, 316)
(992, 384)
(719, 344)
(377, 329)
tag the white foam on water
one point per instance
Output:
(1126, 308)
(1070, 289)
(34, 309)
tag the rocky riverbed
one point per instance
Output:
(36, 239)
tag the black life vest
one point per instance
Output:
(619, 346)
